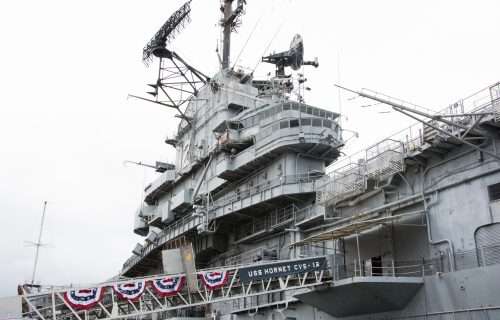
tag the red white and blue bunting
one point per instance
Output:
(168, 286)
(130, 290)
(214, 279)
(83, 299)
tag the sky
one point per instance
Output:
(66, 125)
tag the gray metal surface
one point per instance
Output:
(362, 295)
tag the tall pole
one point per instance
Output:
(359, 254)
(226, 50)
(38, 244)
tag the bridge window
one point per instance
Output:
(294, 123)
(284, 124)
(305, 121)
(316, 122)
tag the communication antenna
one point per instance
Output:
(38, 244)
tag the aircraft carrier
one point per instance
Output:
(263, 217)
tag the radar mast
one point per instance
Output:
(229, 23)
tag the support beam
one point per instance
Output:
(69, 307)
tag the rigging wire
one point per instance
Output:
(268, 45)
(339, 93)
(285, 19)
(249, 36)
(416, 106)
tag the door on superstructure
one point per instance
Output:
(377, 266)
(488, 244)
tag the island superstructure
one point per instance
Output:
(261, 216)
(246, 154)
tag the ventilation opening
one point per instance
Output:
(488, 244)
(494, 192)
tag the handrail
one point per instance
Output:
(162, 237)
(283, 215)
(283, 180)
(480, 101)
(386, 157)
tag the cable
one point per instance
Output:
(248, 39)
(268, 45)
(338, 89)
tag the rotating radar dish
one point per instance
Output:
(293, 57)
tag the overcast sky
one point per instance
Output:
(66, 126)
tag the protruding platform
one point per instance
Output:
(361, 295)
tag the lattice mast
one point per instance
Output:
(178, 81)
(229, 23)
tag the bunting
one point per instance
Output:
(168, 286)
(83, 299)
(130, 290)
(214, 279)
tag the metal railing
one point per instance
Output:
(172, 231)
(192, 221)
(485, 100)
(424, 267)
(302, 178)
(267, 222)
(307, 213)
(257, 255)
(277, 218)
(479, 257)
(347, 181)
(386, 157)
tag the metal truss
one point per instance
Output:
(177, 83)
(50, 305)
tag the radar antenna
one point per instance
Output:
(167, 32)
(293, 57)
(177, 80)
